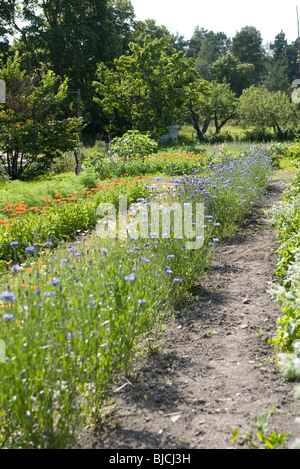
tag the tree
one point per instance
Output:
(277, 65)
(70, 38)
(123, 18)
(144, 90)
(247, 47)
(209, 101)
(195, 42)
(149, 28)
(239, 75)
(32, 130)
(195, 107)
(261, 108)
(213, 46)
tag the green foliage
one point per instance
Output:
(32, 131)
(237, 74)
(287, 339)
(247, 47)
(262, 109)
(272, 441)
(133, 144)
(144, 90)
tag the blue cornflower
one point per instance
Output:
(48, 244)
(14, 243)
(130, 277)
(170, 256)
(141, 302)
(30, 249)
(8, 295)
(144, 259)
(177, 280)
(8, 317)
(55, 281)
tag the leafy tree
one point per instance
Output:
(213, 46)
(247, 47)
(209, 101)
(221, 104)
(32, 130)
(239, 75)
(123, 18)
(279, 46)
(149, 28)
(261, 108)
(195, 42)
(146, 89)
(195, 107)
(71, 38)
(277, 65)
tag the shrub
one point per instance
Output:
(133, 144)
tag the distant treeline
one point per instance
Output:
(73, 38)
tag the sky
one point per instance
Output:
(228, 16)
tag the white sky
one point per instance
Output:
(228, 16)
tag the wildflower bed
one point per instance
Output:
(74, 318)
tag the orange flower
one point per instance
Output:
(57, 196)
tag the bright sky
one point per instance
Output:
(228, 16)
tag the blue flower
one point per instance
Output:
(15, 268)
(14, 243)
(8, 317)
(8, 295)
(141, 302)
(30, 249)
(177, 280)
(48, 244)
(130, 277)
(170, 256)
(55, 281)
(144, 259)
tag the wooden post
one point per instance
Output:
(79, 111)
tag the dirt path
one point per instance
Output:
(215, 370)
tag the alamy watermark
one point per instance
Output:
(2, 92)
(152, 220)
(296, 93)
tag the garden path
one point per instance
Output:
(213, 370)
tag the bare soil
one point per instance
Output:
(213, 370)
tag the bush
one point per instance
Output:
(225, 137)
(258, 136)
(133, 144)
